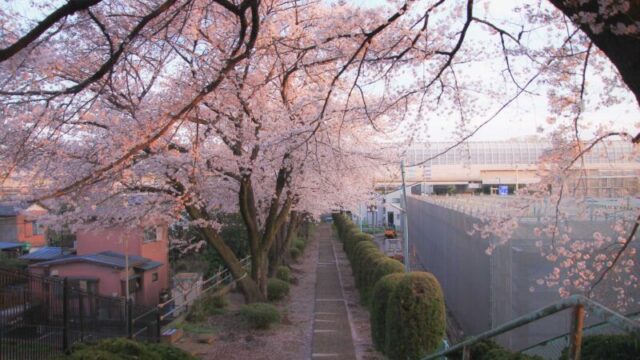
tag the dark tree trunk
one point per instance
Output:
(249, 288)
(622, 50)
(275, 254)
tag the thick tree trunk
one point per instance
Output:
(276, 256)
(250, 289)
(260, 269)
(622, 50)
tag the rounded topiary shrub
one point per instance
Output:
(622, 347)
(299, 244)
(415, 318)
(260, 315)
(362, 250)
(353, 241)
(295, 253)
(283, 273)
(277, 289)
(377, 313)
(382, 267)
(367, 263)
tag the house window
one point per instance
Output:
(151, 234)
(395, 200)
(36, 229)
(154, 276)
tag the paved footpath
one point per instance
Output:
(332, 337)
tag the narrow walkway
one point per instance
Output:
(332, 337)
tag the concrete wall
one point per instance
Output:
(485, 291)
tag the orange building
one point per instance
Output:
(19, 223)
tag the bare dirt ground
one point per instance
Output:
(230, 338)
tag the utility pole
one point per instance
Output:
(405, 222)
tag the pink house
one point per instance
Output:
(107, 260)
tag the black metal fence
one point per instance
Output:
(43, 316)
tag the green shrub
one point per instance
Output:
(168, 352)
(367, 262)
(12, 263)
(299, 244)
(381, 268)
(260, 315)
(619, 347)
(295, 253)
(354, 240)
(277, 289)
(125, 349)
(415, 317)
(207, 305)
(359, 252)
(490, 350)
(283, 273)
(377, 313)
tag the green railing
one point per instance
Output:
(577, 302)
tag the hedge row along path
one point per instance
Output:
(332, 331)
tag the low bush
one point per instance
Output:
(295, 253)
(415, 317)
(260, 315)
(620, 347)
(378, 309)
(283, 273)
(490, 350)
(207, 305)
(277, 289)
(353, 241)
(125, 349)
(299, 244)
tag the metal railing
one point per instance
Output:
(43, 316)
(168, 310)
(577, 303)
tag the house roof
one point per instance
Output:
(106, 258)
(8, 210)
(48, 253)
(10, 245)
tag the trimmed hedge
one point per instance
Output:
(368, 263)
(620, 347)
(277, 289)
(415, 317)
(283, 273)
(260, 315)
(378, 310)
(406, 310)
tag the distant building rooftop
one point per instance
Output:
(10, 245)
(107, 258)
(48, 253)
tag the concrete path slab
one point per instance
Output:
(332, 336)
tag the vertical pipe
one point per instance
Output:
(158, 326)
(575, 336)
(81, 315)
(405, 223)
(65, 315)
(466, 353)
(129, 319)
